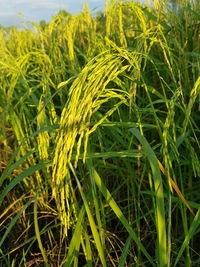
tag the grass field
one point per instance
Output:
(100, 138)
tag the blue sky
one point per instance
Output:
(36, 10)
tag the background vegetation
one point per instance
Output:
(99, 138)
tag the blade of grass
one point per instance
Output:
(91, 220)
(158, 185)
(19, 178)
(76, 238)
(195, 224)
(11, 168)
(14, 220)
(176, 188)
(125, 252)
(111, 202)
(37, 233)
(87, 249)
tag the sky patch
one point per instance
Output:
(37, 10)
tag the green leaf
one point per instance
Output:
(91, 221)
(19, 178)
(111, 202)
(195, 224)
(37, 233)
(14, 220)
(125, 252)
(12, 167)
(160, 208)
(76, 238)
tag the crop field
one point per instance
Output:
(100, 138)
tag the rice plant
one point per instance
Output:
(99, 138)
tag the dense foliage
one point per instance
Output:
(99, 138)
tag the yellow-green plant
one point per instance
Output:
(99, 137)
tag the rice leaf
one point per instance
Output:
(91, 221)
(158, 185)
(111, 202)
(19, 178)
(14, 220)
(195, 224)
(37, 233)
